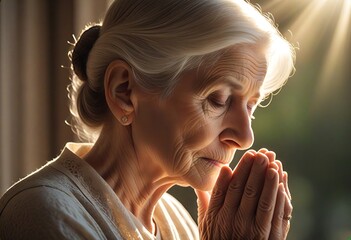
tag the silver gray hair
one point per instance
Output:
(160, 39)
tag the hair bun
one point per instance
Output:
(81, 51)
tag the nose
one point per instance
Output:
(237, 131)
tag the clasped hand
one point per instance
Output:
(251, 202)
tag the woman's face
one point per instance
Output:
(192, 133)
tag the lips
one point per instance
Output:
(215, 162)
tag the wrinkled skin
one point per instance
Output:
(250, 202)
(189, 138)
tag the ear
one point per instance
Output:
(117, 83)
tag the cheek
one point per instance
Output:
(152, 133)
(199, 133)
(196, 135)
(200, 136)
(173, 139)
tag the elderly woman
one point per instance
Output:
(166, 91)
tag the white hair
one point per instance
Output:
(160, 39)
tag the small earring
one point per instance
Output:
(124, 119)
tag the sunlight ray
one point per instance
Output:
(322, 31)
(277, 5)
(335, 56)
(283, 10)
(307, 28)
(272, 4)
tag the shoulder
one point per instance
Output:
(44, 212)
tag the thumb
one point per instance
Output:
(203, 200)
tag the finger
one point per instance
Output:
(287, 215)
(270, 154)
(203, 199)
(253, 187)
(277, 232)
(263, 150)
(219, 191)
(274, 166)
(238, 181)
(267, 202)
(286, 230)
(286, 185)
(248, 154)
(280, 171)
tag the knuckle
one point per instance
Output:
(280, 216)
(265, 206)
(218, 194)
(235, 186)
(291, 207)
(250, 191)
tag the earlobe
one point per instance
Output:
(117, 83)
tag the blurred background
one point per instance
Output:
(308, 124)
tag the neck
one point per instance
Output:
(138, 182)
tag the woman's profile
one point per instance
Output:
(163, 93)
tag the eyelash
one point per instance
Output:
(217, 104)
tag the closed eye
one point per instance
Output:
(218, 100)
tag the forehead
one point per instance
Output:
(243, 67)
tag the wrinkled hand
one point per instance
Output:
(252, 202)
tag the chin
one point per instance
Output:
(206, 182)
(202, 176)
